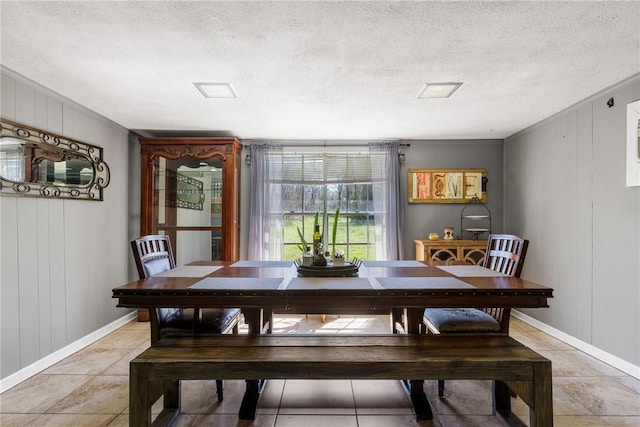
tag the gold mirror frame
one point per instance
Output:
(54, 147)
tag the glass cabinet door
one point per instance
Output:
(188, 205)
(189, 192)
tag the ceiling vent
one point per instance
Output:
(438, 90)
(216, 90)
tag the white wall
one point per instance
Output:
(59, 259)
(565, 190)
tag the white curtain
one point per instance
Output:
(266, 201)
(387, 200)
(265, 212)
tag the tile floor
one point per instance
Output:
(90, 388)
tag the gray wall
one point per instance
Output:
(421, 219)
(565, 190)
(60, 258)
(424, 218)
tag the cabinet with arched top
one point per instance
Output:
(190, 191)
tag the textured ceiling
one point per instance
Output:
(324, 70)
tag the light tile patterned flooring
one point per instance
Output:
(90, 388)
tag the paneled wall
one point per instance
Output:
(565, 190)
(60, 258)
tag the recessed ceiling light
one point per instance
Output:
(216, 90)
(438, 90)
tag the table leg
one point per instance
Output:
(414, 320)
(250, 400)
(418, 396)
(253, 319)
(397, 321)
(172, 395)
(419, 400)
(268, 320)
(501, 397)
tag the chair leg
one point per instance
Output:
(440, 388)
(219, 388)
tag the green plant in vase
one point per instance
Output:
(303, 243)
(334, 231)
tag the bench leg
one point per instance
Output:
(541, 409)
(250, 400)
(139, 396)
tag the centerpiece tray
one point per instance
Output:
(350, 268)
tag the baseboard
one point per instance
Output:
(599, 354)
(55, 357)
(58, 355)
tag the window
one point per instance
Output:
(290, 188)
(341, 180)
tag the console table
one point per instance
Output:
(469, 251)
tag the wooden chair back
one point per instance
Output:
(505, 254)
(153, 255)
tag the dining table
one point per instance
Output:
(401, 289)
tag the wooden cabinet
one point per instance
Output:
(190, 191)
(469, 251)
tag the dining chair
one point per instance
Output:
(505, 254)
(153, 255)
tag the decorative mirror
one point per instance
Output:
(42, 164)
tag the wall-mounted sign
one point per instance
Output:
(447, 185)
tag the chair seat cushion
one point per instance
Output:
(448, 320)
(213, 321)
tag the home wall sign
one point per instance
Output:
(42, 164)
(446, 185)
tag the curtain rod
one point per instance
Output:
(337, 144)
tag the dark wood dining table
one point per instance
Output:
(400, 288)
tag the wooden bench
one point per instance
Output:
(159, 369)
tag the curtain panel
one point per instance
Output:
(265, 206)
(387, 199)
